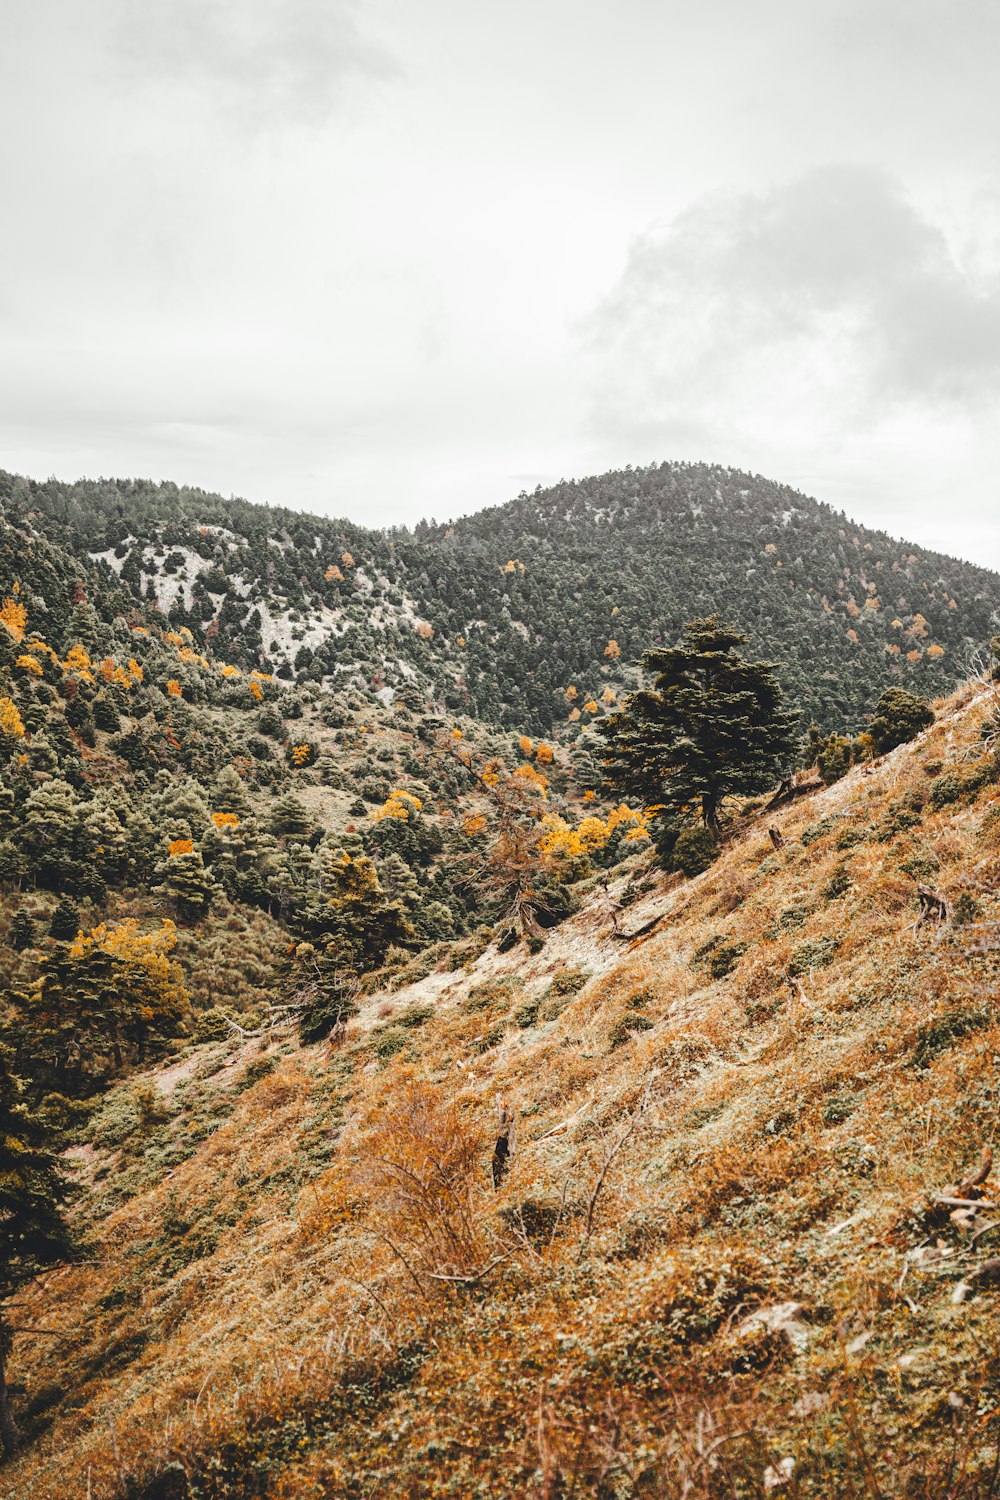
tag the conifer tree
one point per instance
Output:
(184, 878)
(229, 794)
(289, 818)
(711, 726)
(65, 921)
(33, 1232)
(22, 931)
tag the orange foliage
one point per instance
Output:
(174, 688)
(14, 616)
(11, 724)
(177, 847)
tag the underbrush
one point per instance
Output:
(706, 1263)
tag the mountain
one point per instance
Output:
(713, 1260)
(522, 614)
(421, 1131)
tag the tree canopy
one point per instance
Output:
(713, 725)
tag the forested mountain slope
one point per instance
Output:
(532, 614)
(711, 1262)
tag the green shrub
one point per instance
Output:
(415, 1015)
(527, 1014)
(492, 994)
(390, 1040)
(626, 1026)
(899, 716)
(812, 954)
(569, 981)
(834, 760)
(694, 851)
(212, 1025)
(817, 830)
(838, 884)
(490, 1038)
(952, 787)
(722, 957)
(941, 1033)
(839, 1106)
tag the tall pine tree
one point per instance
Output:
(712, 726)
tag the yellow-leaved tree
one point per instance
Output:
(98, 1000)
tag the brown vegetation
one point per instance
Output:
(715, 1261)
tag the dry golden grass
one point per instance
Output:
(327, 1296)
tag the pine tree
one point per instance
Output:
(229, 795)
(22, 931)
(289, 818)
(183, 877)
(712, 726)
(33, 1232)
(65, 921)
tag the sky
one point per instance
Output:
(400, 258)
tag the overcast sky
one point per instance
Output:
(398, 258)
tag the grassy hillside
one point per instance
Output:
(712, 1266)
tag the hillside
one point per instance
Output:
(523, 614)
(711, 1264)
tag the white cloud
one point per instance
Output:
(825, 325)
(267, 61)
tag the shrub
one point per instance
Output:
(952, 787)
(723, 958)
(389, 1041)
(838, 884)
(627, 1025)
(812, 955)
(899, 716)
(569, 981)
(212, 1025)
(527, 1014)
(834, 760)
(694, 851)
(941, 1033)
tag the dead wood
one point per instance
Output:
(933, 908)
(980, 1175)
(946, 1200)
(777, 837)
(472, 1279)
(504, 1148)
(797, 785)
(626, 937)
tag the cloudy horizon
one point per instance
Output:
(392, 261)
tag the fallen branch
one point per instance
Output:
(470, 1280)
(933, 908)
(795, 786)
(564, 1124)
(626, 937)
(987, 1272)
(979, 1176)
(985, 1230)
(945, 1200)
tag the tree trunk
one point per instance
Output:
(10, 1434)
(710, 812)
